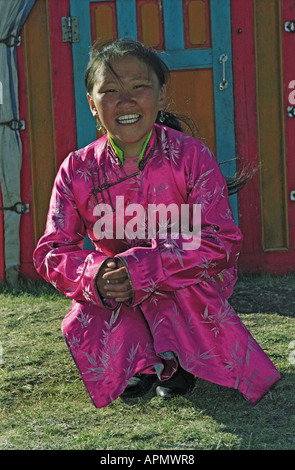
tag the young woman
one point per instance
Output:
(150, 301)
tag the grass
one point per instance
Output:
(44, 405)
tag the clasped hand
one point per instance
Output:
(112, 281)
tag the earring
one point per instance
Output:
(98, 125)
(162, 117)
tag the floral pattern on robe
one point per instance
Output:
(180, 296)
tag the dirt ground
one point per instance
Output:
(264, 295)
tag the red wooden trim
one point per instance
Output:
(62, 82)
(252, 258)
(288, 13)
(246, 124)
(276, 263)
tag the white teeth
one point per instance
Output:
(128, 118)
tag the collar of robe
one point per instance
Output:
(120, 153)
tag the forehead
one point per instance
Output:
(125, 68)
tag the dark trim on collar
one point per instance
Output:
(146, 156)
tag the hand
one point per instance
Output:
(113, 282)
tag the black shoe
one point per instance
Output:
(179, 384)
(139, 385)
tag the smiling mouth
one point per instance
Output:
(128, 119)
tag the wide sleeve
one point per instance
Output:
(174, 263)
(59, 256)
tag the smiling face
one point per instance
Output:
(127, 102)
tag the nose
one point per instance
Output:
(126, 97)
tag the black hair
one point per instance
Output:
(103, 54)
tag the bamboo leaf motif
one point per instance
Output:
(220, 320)
(107, 355)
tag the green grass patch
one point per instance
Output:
(44, 405)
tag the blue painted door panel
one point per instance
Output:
(177, 58)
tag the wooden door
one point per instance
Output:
(46, 100)
(193, 35)
(264, 74)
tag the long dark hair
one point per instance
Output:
(103, 54)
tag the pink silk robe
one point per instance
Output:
(180, 297)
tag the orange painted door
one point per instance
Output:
(46, 100)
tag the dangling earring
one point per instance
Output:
(161, 117)
(98, 125)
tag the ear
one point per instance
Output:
(162, 100)
(92, 105)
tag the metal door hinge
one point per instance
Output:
(291, 111)
(290, 26)
(70, 29)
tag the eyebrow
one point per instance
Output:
(114, 81)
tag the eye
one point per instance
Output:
(141, 85)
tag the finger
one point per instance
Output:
(120, 287)
(119, 263)
(110, 263)
(109, 266)
(123, 299)
(119, 273)
(122, 296)
(119, 297)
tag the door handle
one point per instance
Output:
(224, 84)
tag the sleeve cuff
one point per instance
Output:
(145, 271)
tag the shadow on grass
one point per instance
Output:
(268, 425)
(264, 294)
(225, 420)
